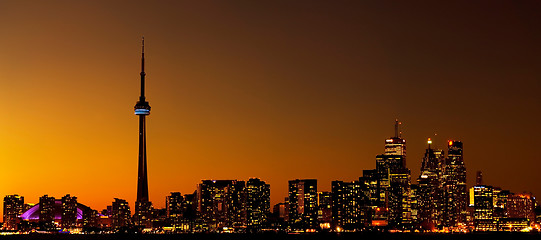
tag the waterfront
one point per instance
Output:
(317, 236)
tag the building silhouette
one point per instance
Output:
(394, 180)
(120, 214)
(324, 212)
(221, 204)
(257, 204)
(13, 208)
(455, 191)
(143, 207)
(303, 204)
(69, 211)
(430, 189)
(47, 212)
(348, 205)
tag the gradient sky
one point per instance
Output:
(270, 89)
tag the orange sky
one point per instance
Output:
(275, 90)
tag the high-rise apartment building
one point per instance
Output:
(174, 207)
(69, 211)
(13, 208)
(348, 205)
(303, 204)
(120, 214)
(47, 212)
(257, 204)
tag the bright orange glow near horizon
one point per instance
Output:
(277, 91)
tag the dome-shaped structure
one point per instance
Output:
(33, 213)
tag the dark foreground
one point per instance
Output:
(315, 236)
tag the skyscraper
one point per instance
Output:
(257, 203)
(455, 192)
(303, 203)
(142, 109)
(394, 180)
(430, 188)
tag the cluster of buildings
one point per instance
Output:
(384, 198)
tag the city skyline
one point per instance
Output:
(311, 94)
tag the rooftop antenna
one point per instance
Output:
(396, 128)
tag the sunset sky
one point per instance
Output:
(277, 90)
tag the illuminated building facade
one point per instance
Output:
(257, 204)
(483, 203)
(120, 214)
(324, 212)
(348, 205)
(455, 191)
(13, 208)
(303, 204)
(143, 207)
(47, 212)
(174, 208)
(430, 189)
(69, 211)
(521, 205)
(394, 180)
(90, 218)
(221, 204)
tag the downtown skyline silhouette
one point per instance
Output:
(276, 91)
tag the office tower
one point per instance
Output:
(455, 192)
(303, 204)
(13, 208)
(370, 184)
(221, 204)
(324, 212)
(69, 211)
(143, 207)
(483, 208)
(257, 204)
(399, 202)
(120, 214)
(348, 203)
(430, 189)
(394, 180)
(47, 212)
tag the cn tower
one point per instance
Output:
(142, 109)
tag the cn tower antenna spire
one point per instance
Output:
(143, 74)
